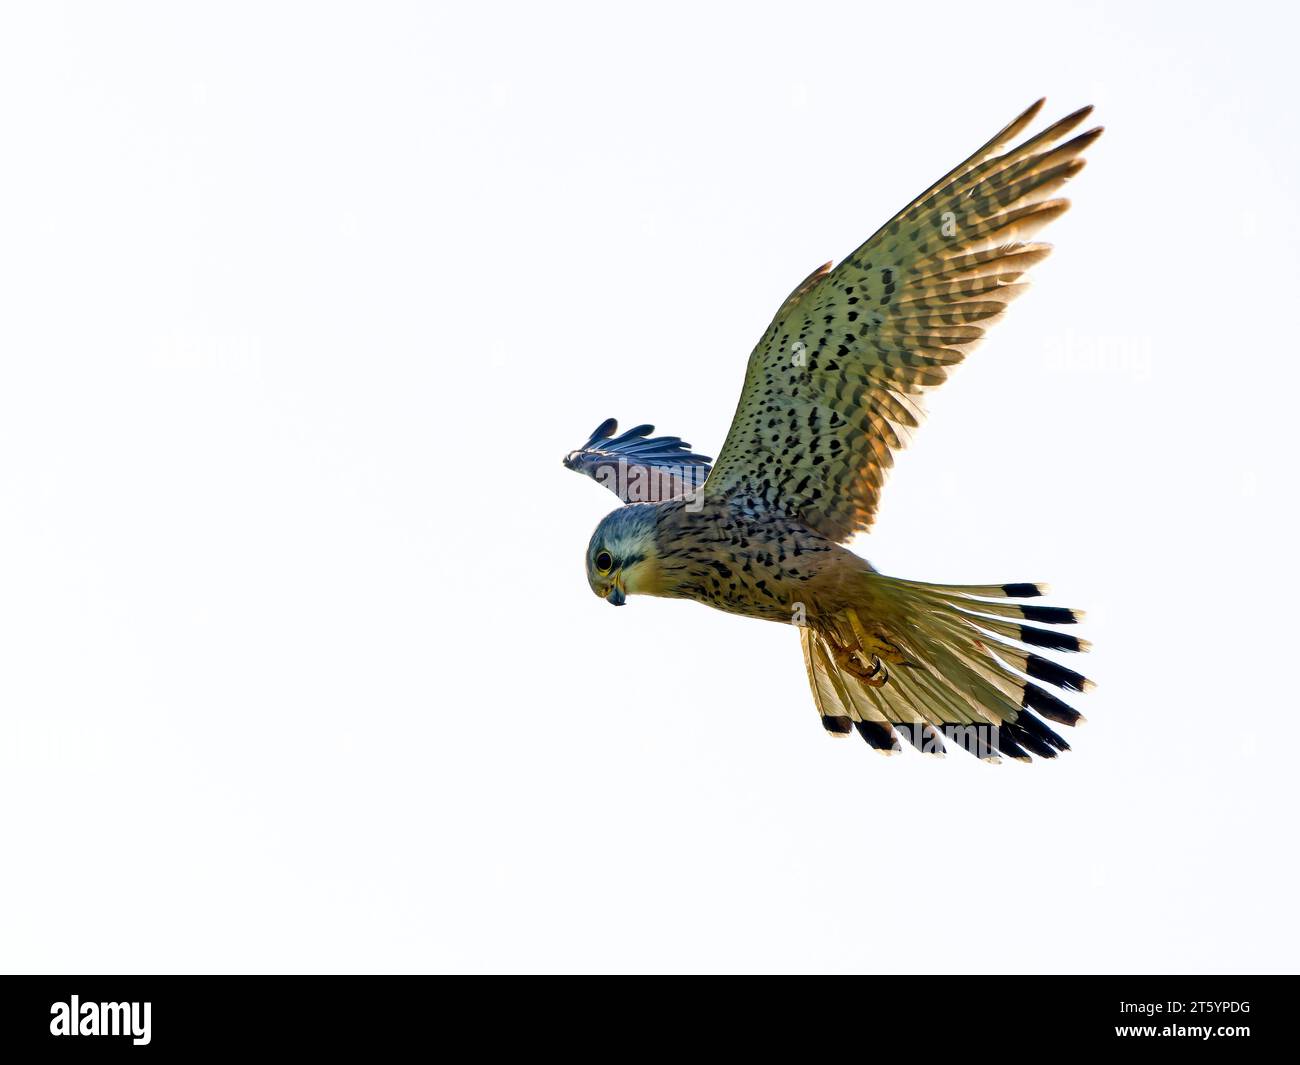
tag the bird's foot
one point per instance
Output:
(873, 674)
(868, 668)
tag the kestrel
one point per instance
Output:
(831, 392)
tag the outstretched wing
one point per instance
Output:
(831, 389)
(638, 467)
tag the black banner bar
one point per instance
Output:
(166, 1014)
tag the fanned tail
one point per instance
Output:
(933, 661)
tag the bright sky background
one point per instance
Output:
(302, 305)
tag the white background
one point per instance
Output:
(301, 307)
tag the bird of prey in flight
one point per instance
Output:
(832, 390)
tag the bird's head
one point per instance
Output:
(623, 556)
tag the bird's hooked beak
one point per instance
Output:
(616, 595)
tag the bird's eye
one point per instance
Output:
(604, 562)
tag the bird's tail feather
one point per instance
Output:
(935, 661)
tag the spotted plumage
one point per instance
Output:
(831, 392)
